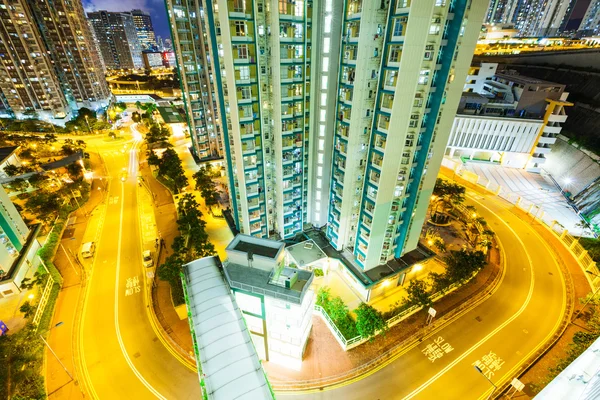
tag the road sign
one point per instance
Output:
(517, 384)
(432, 312)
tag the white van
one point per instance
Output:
(147, 258)
(87, 250)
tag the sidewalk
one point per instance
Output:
(62, 339)
(164, 220)
(325, 362)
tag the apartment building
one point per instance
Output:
(117, 38)
(68, 39)
(28, 82)
(264, 59)
(311, 92)
(195, 61)
(402, 71)
(144, 29)
(18, 249)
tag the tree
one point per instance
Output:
(11, 170)
(112, 135)
(75, 170)
(19, 185)
(44, 205)
(446, 195)
(170, 167)
(206, 186)
(27, 309)
(135, 116)
(37, 179)
(462, 264)
(418, 293)
(369, 321)
(21, 373)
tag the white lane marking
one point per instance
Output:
(117, 328)
(498, 328)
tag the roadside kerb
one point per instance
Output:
(570, 244)
(173, 347)
(390, 355)
(559, 332)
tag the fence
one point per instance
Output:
(348, 344)
(537, 213)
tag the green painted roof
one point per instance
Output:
(170, 115)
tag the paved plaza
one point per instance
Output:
(538, 189)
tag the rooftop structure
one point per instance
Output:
(512, 120)
(276, 300)
(228, 365)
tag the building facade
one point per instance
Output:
(590, 24)
(311, 92)
(276, 300)
(398, 94)
(195, 61)
(508, 119)
(28, 81)
(144, 29)
(117, 38)
(18, 249)
(69, 41)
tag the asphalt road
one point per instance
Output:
(121, 355)
(498, 335)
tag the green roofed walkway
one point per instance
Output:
(228, 365)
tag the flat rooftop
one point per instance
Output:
(306, 253)
(259, 247)
(170, 115)
(525, 80)
(258, 280)
(6, 152)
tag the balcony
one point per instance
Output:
(553, 129)
(547, 140)
(557, 118)
(542, 148)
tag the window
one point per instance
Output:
(326, 43)
(424, 77)
(395, 53)
(240, 28)
(324, 82)
(242, 51)
(398, 27)
(244, 73)
(246, 92)
(434, 29)
(325, 64)
(327, 24)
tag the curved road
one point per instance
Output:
(121, 356)
(498, 335)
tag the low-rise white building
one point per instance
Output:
(276, 301)
(509, 119)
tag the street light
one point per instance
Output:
(488, 379)
(53, 353)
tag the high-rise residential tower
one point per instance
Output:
(69, 41)
(590, 25)
(335, 112)
(403, 68)
(196, 70)
(145, 30)
(117, 37)
(28, 81)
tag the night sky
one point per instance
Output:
(156, 8)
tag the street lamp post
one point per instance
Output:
(88, 124)
(488, 379)
(54, 354)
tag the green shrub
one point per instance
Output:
(318, 272)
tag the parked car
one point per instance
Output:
(147, 258)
